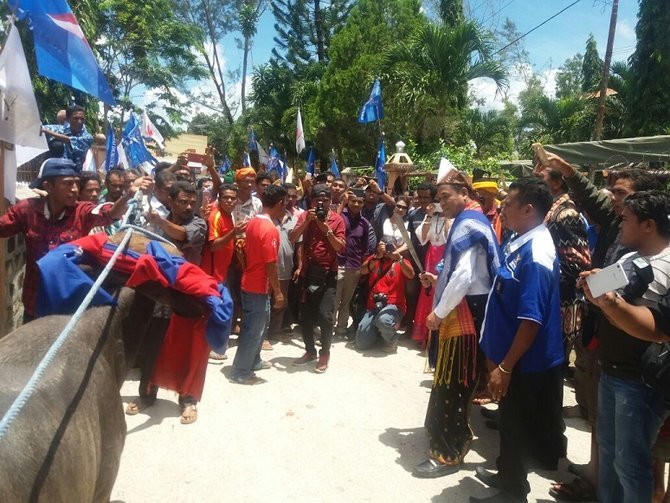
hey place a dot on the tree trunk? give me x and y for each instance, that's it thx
(598, 129)
(214, 65)
(247, 46)
(318, 28)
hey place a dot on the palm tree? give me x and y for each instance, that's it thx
(431, 69)
(250, 11)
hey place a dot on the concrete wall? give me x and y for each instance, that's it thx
(15, 261)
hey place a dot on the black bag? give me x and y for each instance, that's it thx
(359, 302)
(656, 368)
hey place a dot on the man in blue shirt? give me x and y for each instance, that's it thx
(71, 136)
(523, 344)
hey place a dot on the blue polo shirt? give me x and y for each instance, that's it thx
(526, 288)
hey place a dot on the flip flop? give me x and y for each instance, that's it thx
(136, 406)
(577, 490)
(191, 418)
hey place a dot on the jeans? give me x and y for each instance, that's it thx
(318, 308)
(255, 321)
(629, 417)
(376, 324)
(347, 281)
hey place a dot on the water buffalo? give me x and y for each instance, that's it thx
(66, 444)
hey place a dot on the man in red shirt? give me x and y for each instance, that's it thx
(259, 275)
(324, 233)
(386, 301)
(56, 219)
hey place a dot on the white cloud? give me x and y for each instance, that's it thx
(625, 32)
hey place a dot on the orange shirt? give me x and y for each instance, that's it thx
(261, 248)
(216, 263)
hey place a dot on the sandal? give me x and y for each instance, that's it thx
(189, 414)
(577, 490)
(136, 406)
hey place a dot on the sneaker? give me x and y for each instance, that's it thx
(322, 365)
(267, 346)
(304, 360)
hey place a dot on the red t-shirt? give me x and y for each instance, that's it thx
(316, 247)
(261, 248)
(216, 263)
(392, 284)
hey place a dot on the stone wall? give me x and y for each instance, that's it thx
(15, 261)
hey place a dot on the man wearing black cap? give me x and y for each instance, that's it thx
(56, 219)
(323, 233)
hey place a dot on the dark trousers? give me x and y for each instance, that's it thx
(151, 347)
(531, 427)
(317, 309)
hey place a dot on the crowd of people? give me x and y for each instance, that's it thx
(495, 284)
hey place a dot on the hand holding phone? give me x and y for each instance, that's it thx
(541, 154)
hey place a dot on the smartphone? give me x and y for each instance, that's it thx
(541, 154)
(609, 279)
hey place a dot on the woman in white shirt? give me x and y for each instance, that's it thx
(433, 231)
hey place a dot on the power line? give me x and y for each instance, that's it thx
(538, 26)
(492, 16)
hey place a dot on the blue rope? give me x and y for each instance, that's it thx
(28, 390)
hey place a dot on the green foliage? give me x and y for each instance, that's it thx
(569, 78)
(592, 67)
(305, 29)
(650, 65)
(451, 12)
(463, 157)
(139, 47)
(431, 69)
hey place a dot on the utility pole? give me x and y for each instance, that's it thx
(598, 129)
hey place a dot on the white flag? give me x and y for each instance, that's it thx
(263, 157)
(123, 159)
(299, 135)
(19, 117)
(150, 131)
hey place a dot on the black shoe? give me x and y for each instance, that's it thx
(491, 424)
(432, 469)
(492, 414)
(488, 478)
(501, 497)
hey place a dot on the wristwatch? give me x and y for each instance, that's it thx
(329, 233)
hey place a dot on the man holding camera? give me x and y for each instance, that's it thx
(388, 272)
(323, 233)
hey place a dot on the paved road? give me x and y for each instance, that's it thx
(352, 434)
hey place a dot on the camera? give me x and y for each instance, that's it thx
(380, 300)
(639, 280)
(321, 211)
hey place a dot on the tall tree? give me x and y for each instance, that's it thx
(451, 12)
(434, 65)
(569, 77)
(357, 58)
(592, 66)
(139, 48)
(250, 11)
(210, 21)
(305, 27)
(650, 64)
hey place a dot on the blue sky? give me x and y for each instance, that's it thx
(548, 47)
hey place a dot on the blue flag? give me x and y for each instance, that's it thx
(245, 160)
(253, 144)
(223, 169)
(274, 163)
(311, 162)
(136, 150)
(62, 51)
(380, 173)
(112, 155)
(373, 109)
(333, 166)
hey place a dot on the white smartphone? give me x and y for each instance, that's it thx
(609, 279)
